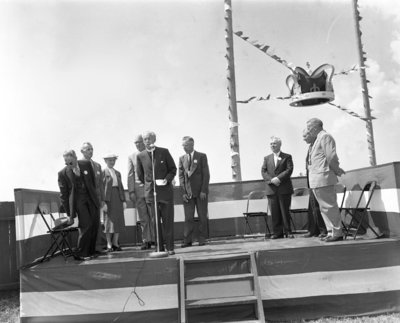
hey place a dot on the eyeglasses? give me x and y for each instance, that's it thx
(69, 164)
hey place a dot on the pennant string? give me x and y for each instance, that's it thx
(352, 113)
(266, 50)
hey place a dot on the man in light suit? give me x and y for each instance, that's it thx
(316, 225)
(194, 177)
(276, 171)
(164, 173)
(136, 194)
(87, 152)
(323, 167)
(79, 198)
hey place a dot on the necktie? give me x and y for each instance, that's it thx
(309, 155)
(190, 161)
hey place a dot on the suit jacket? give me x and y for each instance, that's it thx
(164, 169)
(195, 180)
(283, 171)
(107, 183)
(134, 185)
(324, 163)
(98, 175)
(66, 183)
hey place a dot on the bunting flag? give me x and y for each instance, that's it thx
(353, 69)
(266, 49)
(352, 113)
(263, 98)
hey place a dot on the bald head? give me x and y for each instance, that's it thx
(149, 138)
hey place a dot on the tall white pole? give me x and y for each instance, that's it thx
(364, 85)
(233, 116)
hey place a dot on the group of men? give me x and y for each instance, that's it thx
(151, 173)
(322, 164)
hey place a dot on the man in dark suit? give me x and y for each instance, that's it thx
(79, 198)
(194, 177)
(164, 172)
(316, 226)
(276, 171)
(87, 152)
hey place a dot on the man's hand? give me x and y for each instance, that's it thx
(203, 196)
(340, 172)
(276, 181)
(104, 207)
(70, 220)
(132, 196)
(124, 205)
(185, 198)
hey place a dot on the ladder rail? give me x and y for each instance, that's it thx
(182, 289)
(257, 290)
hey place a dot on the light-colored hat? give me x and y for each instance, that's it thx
(110, 156)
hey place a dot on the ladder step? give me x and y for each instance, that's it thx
(224, 301)
(213, 258)
(224, 278)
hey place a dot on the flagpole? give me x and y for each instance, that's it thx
(364, 85)
(233, 115)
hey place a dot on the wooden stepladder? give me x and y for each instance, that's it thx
(220, 288)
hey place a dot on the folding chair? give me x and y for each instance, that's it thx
(59, 237)
(358, 213)
(341, 189)
(299, 204)
(255, 195)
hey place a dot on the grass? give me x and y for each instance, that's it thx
(9, 313)
(9, 306)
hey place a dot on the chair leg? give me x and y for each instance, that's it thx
(246, 225)
(266, 225)
(368, 225)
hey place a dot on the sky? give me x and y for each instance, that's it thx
(105, 71)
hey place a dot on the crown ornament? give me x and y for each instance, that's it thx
(311, 88)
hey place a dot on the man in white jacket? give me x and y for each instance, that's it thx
(323, 166)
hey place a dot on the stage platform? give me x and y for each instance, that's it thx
(227, 280)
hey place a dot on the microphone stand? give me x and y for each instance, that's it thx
(157, 253)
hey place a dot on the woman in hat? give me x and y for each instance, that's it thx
(115, 199)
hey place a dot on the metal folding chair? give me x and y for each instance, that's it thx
(255, 195)
(359, 213)
(59, 237)
(299, 204)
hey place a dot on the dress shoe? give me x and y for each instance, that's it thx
(117, 248)
(323, 235)
(202, 244)
(308, 235)
(145, 246)
(109, 250)
(288, 234)
(171, 252)
(275, 236)
(184, 245)
(81, 258)
(333, 239)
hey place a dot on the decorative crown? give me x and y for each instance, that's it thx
(307, 90)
